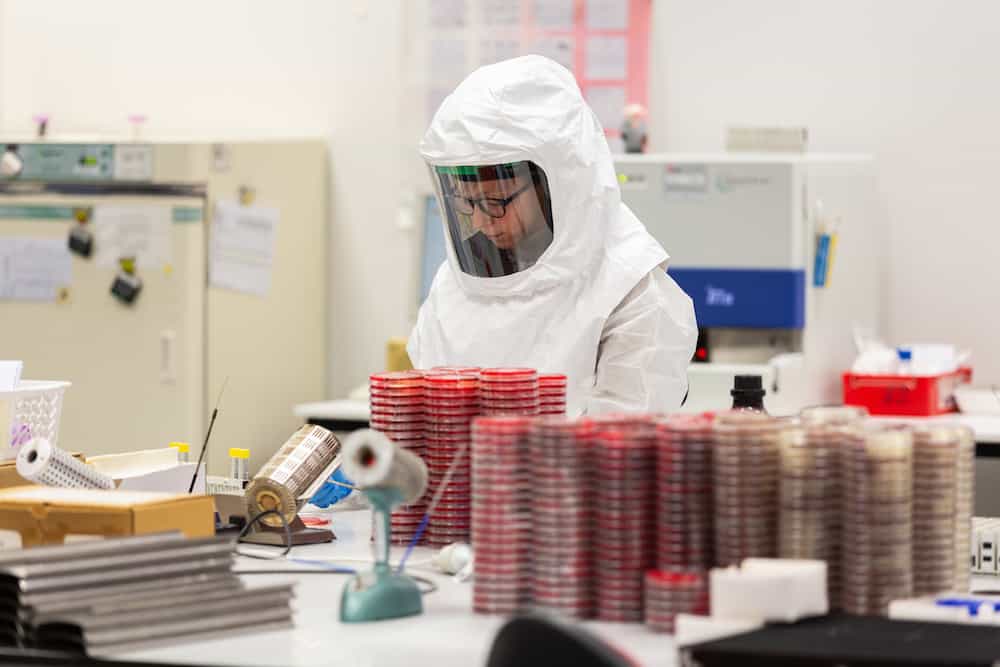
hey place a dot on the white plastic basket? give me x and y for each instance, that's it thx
(33, 410)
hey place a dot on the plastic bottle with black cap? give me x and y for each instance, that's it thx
(748, 393)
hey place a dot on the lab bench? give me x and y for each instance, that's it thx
(446, 633)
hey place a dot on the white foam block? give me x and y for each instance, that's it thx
(769, 589)
(690, 629)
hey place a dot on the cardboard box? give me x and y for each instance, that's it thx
(45, 514)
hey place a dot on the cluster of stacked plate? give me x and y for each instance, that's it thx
(673, 592)
(562, 488)
(552, 394)
(624, 515)
(877, 505)
(684, 514)
(501, 514)
(941, 503)
(509, 391)
(745, 486)
(809, 513)
(396, 401)
(451, 403)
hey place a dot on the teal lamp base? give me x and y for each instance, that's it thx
(379, 595)
(382, 593)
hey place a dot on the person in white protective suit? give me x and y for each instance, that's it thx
(547, 268)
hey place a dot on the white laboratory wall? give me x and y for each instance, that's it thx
(912, 82)
(243, 69)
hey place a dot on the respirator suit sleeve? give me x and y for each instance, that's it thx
(646, 346)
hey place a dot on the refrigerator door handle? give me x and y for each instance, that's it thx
(168, 371)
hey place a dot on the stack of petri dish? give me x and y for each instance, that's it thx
(965, 495)
(624, 516)
(552, 394)
(809, 515)
(508, 391)
(672, 592)
(501, 514)
(452, 370)
(451, 403)
(561, 466)
(397, 409)
(938, 507)
(877, 520)
(745, 486)
(684, 537)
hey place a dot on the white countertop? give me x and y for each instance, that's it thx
(447, 633)
(345, 409)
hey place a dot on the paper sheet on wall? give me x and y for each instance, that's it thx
(241, 254)
(608, 102)
(447, 60)
(494, 50)
(447, 13)
(554, 14)
(607, 14)
(139, 231)
(500, 13)
(559, 49)
(435, 96)
(10, 374)
(34, 269)
(606, 58)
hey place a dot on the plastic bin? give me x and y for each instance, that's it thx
(905, 395)
(31, 410)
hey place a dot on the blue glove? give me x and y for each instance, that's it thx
(329, 494)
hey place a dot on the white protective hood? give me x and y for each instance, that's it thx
(551, 315)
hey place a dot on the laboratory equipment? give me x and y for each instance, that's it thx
(685, 514)
(745, 486)
(389, 475)
(40, 462)
(741, 233)
(238, 465)
(625, 516)
(287, 482)
(668, 593)
(552, 394)
(509, 391)
(397, 409)
(810, 516)
(748, 393)
(501, 515)
(223, 286)
(183, 451)
(105, 596)
(877, 533)
(559, 460)
(433, 252)
(452, 402)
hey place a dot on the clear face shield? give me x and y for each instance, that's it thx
(498, 217)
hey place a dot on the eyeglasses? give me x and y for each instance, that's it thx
(491, 206)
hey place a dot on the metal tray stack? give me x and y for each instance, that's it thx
(108, 596)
